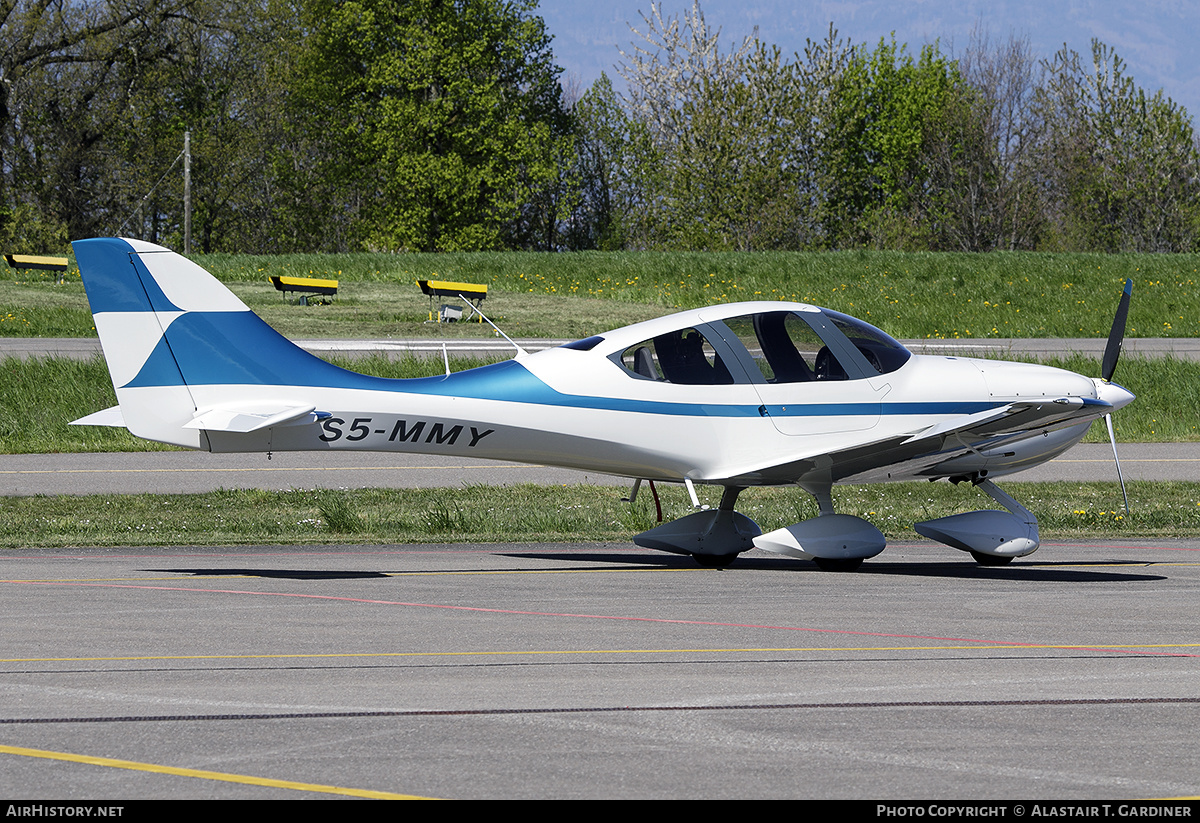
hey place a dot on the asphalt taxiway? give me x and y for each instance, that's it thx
(598, 671)
(586, 671)
(178, 472)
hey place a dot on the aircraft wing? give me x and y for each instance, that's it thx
(918, 454)
(1019, 416)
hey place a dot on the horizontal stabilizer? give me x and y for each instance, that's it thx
(107, 417)
(244, 419)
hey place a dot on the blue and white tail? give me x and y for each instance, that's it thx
(167, 327)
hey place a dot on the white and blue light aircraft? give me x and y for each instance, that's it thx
(736, 395)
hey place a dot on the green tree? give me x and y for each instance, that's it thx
(604, 177)
(445, 113)
(215, 85)
(885, 108)
(982, 157)
(820, 69)
(67, 74)
(1121, 166)
(716, 136)
(732, 183)
(313, 189)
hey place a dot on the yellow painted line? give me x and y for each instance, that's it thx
(204, 775)
(1134, 460)
(1119, 564)
(1136, 564)
(536, 652)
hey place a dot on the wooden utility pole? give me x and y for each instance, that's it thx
(187, 192)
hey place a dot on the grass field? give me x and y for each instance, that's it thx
(908, 295)
(535, 513)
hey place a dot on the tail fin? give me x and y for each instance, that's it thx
(167, 326)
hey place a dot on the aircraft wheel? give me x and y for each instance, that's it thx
(990, 559)
(714, 561)
(829, 564)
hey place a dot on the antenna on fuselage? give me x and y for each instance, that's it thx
(520, 351)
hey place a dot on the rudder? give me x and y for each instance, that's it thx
(166, 324)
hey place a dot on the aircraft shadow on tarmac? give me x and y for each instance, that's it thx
(1064, 572)
(286, 574)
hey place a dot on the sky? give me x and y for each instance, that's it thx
(1159, 40)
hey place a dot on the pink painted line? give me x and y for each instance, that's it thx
(665, 620)
(1115, 547)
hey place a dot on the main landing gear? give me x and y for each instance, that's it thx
(715, 537)
(840, 542)
(835, 542)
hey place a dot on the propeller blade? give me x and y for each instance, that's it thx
(1112, 438)
(1112, 351)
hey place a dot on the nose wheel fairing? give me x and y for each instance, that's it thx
(1012, 533)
